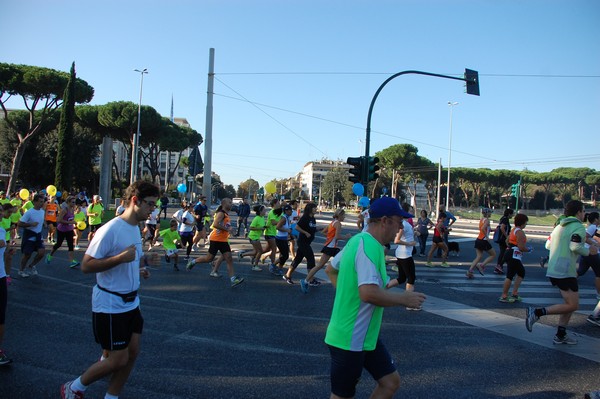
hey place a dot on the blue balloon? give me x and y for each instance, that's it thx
(182, 188)
(364, 202)
(58, 194)
(358, 189)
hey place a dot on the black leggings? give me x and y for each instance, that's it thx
(406, 270)
(503, 246)
(284, 251)
(187, 240)
(304, 251)
(60, 237)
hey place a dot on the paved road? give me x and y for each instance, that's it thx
(265, 339)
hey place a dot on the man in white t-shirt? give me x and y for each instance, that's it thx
(115, 256)
(32, 222)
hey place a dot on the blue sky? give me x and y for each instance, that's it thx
(294, 79)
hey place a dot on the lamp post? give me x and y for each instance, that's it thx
(451, 105)
(136, 138)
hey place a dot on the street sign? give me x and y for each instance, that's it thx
(190, 178)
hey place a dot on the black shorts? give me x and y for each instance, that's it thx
(482, 245)
(50, 223)
(347, 366)
(95, 227)
(216, 246)
(330, 251)
(565, 284)
(514, 267)
(199, 225)
(113, 330)
(151, 230)
(28, 247)
(437, 239)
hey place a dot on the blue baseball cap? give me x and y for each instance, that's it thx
(387, 206)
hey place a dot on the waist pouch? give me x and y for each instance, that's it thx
(128, 297)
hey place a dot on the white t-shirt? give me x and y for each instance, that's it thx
(366, 217)
(405, 251)
(153, 217)
(2, 239)
(110, 240)
(187, 228)
(591, 231)
(34, 215)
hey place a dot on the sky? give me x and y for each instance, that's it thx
(294, 79)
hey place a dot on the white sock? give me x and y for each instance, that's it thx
(109, 396)
(78, 386)
(596, 311)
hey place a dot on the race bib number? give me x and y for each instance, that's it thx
(517, 254)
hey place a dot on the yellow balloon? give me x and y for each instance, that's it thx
(51, 190)
(270, 187)
(81, 225)
(24, 194)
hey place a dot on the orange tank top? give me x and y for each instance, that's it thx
(221, 235)
(512, 237)
(483, 233)
(51, 212)
(330, 240)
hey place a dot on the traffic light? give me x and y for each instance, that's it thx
(514, 190)
(472, 79)
(373, 169)
(356, 172)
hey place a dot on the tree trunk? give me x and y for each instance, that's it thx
(16, 163)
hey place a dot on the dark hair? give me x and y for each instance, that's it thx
(573, 207)
(508, 212)
(592, 216)
(278, 211)
(520, 219)
(309, 207)
(274, 201)
(8, 206)
(142, 189)
(258, 209)
(405, 206)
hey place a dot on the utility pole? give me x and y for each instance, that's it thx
(207, 178)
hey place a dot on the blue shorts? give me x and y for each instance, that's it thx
(28, 247)
(347, 366)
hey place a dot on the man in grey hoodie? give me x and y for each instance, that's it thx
(566, 244)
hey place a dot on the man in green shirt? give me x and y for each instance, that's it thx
(360, 279)
(95, 212)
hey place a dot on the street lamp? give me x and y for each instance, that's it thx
(136, 138)
(451, 105)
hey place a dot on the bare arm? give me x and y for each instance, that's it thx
(90, 264)
(375, 295)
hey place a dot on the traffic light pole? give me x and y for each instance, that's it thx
(471, 77)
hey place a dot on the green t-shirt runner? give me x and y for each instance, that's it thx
(94, 212)
(354, 324)
(169, 238)
(271, 229)
(257, 223)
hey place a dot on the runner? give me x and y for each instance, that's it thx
(360, 296)
(95, 212)
(517, 241)
(80, 216)
(32, 222)
(257, 227)
(284, 230)
(422, 231)
(437, 242)
(4, 360)
(186, 221)
(115, 256)
(171, 238)
(504, 226)
(270, 232)
(329, 250)
(482, 244)
(65, 228)
(50, 219)
(567, 242)
(219, 243)
(592, 241)
(200, 213)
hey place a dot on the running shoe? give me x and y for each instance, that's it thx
(215, 274)
(240, 255)
(256, 268)
(394, 268)
(566, 340)
(314, 283)
(592, 395)
(33, 271)
(167, 258)
(593, 320)
(77, 248)
(304, 286)
(48, 259)
(190, 264)
(480, 268)
(4, 360)
(288, 280)
(506, 299)
(415, 309)
(444, 264)
(23, 274)
(67, 393)
(73, 264)
(530, 318)
(498, 270)
(429, 264)
(273, 269)
(469, 274)
(543, 261)
(516, 298)
(235, 281)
